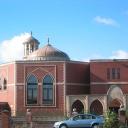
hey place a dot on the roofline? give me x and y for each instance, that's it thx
(41, 61)
(64, 61)
(109, 60)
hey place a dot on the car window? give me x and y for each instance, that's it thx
(89, 117)
(93, 117)
(78, 117)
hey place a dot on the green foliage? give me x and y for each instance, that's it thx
(111, 120)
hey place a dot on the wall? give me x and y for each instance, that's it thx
(98, 75)
(77, 78)
(40, 69)
(7, 71)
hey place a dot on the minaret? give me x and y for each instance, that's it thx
(30, 45)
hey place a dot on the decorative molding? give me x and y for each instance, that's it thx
(40, 84)
(65, 89)
(101, 83)
(15, 89)
(39, 67)
(76, 84)
(102, 100)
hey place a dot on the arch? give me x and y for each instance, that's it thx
(48, 90)
(115, 92)
(114, 105)
(115, 98)
(78, 105)
(32, 89)
(96, 107)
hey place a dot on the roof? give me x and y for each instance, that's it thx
(48, 53)
(31, 39)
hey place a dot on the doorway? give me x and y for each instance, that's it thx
(114, 105)
(79, 106)
(96, 107)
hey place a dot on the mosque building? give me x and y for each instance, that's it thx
(49, 83)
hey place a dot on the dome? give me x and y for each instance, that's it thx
(31, 39)
(48, 53)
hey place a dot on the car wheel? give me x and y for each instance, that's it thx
(95, 126)
(63, 126)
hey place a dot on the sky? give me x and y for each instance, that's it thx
(84, 29)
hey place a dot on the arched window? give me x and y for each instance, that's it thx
(0, 84)
(4, 84)
(47, 90)
(31, 90)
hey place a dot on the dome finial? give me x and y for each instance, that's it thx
(48, 40)
(31, 33)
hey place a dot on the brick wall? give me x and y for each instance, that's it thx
(77, 78)
(5, 119)
(98, 76)
(40, 70)
(7, 71)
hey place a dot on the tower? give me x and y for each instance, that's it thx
(30, 45)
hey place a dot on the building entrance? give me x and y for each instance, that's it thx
(5, 114)
(78, 105)
(114, 105)
(96, 107)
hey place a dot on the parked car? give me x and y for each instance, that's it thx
(81, 121)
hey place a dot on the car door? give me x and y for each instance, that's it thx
(77, 122)
(89, 119)
(80, 121)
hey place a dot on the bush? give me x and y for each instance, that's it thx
(111, 120)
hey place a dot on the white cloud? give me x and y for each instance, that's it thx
(120, 54)
(13, 49)
(106, 21)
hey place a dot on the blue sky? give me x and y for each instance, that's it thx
(84, 29)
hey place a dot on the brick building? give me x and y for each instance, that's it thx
(49, 83)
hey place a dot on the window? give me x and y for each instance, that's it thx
(32, 90)
(47, 90)
(118, 73)
(108, 73)
(0, 84)
(4, 84)
(78, 117)
(113, 73)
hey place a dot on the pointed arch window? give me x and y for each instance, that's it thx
(47, 90)
(4, 84)
(0, 84)
(31, 90)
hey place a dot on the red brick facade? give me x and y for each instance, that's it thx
(77, 78)
(7, 71)
(70, 78)
(40, 70)
(98, 76)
